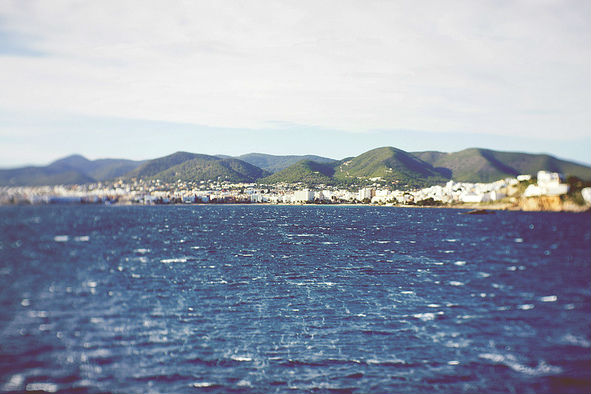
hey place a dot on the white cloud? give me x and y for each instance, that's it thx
(514, 68)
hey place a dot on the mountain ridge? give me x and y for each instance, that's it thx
(392, 165)
(276, 163)
(205, 167)
(486, 165)
(73, 169)
(386, 164)
(304, 171)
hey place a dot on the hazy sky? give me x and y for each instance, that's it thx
(139, 79)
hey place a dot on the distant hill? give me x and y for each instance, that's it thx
(274, 163)
(195, 167)
(73, 169)
(385, 165)
(484, 165)
(107, 169)
(392, 165)
(39, 176)
(155, 166)
(100, 170)
(306, 171)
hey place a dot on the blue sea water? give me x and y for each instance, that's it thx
(321, 299)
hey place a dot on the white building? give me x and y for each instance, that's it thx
(547, 178)
(365, 193)
(320, 196)
(258, 197)
(474, 197)
(497, 195)
(548, 185)
(303, 196)
(382, 196)
(346, 195)
(556, 190)
(327, 194)
(533, 191)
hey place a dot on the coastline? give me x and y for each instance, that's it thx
(502, 206)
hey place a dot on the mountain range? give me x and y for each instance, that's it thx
(385, 165)
(73, 169)
(195, 167)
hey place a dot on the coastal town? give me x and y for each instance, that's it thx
(546, 191)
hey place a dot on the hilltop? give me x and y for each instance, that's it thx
(390, 165)
(485, 165)
(186, 166)
(74, 169)
(305, 171)
(385, 165)
(273, 163)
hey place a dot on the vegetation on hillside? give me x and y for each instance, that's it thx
(484, 165)
(273, 163)
(305, 171)
(153, 167)
(381, 166)
(203, 168)
(391, 165)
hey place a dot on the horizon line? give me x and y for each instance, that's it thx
(96, 158)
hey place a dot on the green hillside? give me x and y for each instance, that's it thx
(204, 167)
(306, 171)
(391, 165)
(484, 165)
(155, 166)
(385, 165)
(274, 163)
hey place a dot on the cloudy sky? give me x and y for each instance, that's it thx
(139, 79)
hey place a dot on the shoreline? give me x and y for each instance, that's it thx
(512, 207)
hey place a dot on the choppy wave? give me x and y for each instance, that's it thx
(255, 299)
(542, 368)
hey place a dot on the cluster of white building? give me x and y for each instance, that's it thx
(548, 184)
(451, 192)
(61, 193)
(301, 196)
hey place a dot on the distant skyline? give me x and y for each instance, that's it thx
(142, 79)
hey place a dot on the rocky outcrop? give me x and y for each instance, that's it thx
(549, 203)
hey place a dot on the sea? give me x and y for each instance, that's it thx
(293, 299)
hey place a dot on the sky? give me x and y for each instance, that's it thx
(141, 79)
